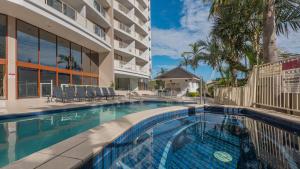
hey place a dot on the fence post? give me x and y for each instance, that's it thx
(255, 86)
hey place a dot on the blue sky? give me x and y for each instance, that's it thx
(177, 23)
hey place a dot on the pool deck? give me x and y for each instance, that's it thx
(22, 106)
(75, 151)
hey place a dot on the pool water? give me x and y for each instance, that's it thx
(210, 141)
(24, 136)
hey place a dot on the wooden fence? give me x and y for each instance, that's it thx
(273, 86)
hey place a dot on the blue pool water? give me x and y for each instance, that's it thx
(23, 136)
(209, 141)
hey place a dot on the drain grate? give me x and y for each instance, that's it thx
(223, 156)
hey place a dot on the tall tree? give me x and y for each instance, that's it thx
(277, 16)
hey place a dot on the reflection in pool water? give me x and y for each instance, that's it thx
(21, 137)
(192, 142)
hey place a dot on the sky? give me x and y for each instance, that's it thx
(178, 23)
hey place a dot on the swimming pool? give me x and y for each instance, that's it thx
(204, 140)
(20, 137)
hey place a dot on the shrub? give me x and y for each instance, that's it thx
(193, 94)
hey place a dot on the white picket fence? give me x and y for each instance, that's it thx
(273, 86)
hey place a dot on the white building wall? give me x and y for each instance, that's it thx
(182, 85)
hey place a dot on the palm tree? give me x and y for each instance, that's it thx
(162, 71)
(193, 56)
(185, 61)
(275, 16)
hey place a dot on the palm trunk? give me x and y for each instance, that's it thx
(269, 33)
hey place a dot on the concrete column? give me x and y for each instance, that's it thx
(11, 50)
(106, 66)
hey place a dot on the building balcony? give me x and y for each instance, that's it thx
(141, 39)
(95, 9)
(124, 47)
(142, 11)
(142, 54)
(141, 25)
(121, 27)
(124, 13)
(130, 69)
(75, 16)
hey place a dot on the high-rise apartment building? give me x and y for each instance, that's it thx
(79, 42)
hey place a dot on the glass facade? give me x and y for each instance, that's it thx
(46, 78)
(27, 36)
(63, 78)
(76, 57)
(63, 53)
(2, 81)
(76, 79)
(3, 33)
(86, 60)
(49, 51)
(95, 62)
(27, 82)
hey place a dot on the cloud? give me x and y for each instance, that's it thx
(194, 26)
(290, 44)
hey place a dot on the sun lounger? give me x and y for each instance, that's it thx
(90, 93)
(69, 93)
(80, 93)
(58, 94)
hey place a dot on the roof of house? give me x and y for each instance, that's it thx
(177, 73)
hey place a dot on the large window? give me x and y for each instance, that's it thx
(27, 42)
(63, 78)
(63, 53)
(27, 82)
(46, 78)
(3, 29)
(47, 49)
(95, 62)
(76, 79)
(94, 81)
(46, 52)
(86, 60)
(86, 80)
(2, 81)
(3, 32)
(76, 57)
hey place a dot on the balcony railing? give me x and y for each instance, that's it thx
(123, 45)
(123, 27)
(122, 8)
(140, 6)
(99, 8)
(129, 66)
(70, 12)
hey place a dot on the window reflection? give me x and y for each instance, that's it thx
(3, 36)
(46, 78)
(27, 38)
(47, 49)
(86, 80)
(27, 82)
(75, 57)
(95, 62)
(94, 81)
(63, 78)
(2, 81)
(86, 60)
(63, 53)
(76, 79)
